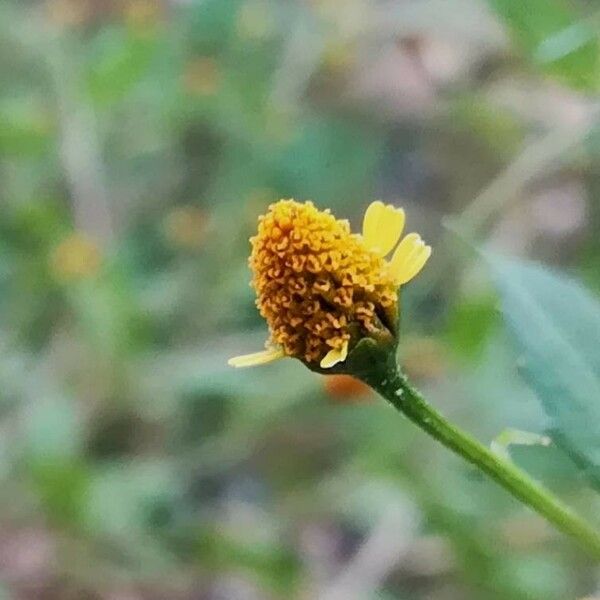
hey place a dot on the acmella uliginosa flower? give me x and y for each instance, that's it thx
(324, 290)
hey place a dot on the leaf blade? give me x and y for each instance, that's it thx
(555, 325)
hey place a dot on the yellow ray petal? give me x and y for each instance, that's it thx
(257, 358)
(414, 267)
(403, 251)
(409, 258)
(382, 226)
(335, 356)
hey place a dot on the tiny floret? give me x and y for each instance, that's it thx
(322, 288)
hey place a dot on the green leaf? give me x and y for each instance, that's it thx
(556, 38)
(555, 324)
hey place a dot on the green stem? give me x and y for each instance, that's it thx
(395, 388)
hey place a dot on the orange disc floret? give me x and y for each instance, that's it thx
(317, 284)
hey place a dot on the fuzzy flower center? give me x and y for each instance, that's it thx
(318, 285)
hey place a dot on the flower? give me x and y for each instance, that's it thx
(322, 288)
(75, 258)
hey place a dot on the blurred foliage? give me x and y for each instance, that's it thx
(557, 35)
(139, 140)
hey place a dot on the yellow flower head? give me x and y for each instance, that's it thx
(322, 288)
(75, 258)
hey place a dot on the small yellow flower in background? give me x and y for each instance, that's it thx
(202, 76)
(321, 287)
(185, 227)
(76, 257)
(339, 56)
(142, 14)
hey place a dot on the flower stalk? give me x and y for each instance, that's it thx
(394, 387)
(331, 299)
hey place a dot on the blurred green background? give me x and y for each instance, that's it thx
(139, 140)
